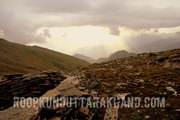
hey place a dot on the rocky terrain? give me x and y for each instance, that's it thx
(145, 75)
(26, 85)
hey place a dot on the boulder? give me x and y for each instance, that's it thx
(19, 113)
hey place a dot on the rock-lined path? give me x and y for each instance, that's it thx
(65, 88)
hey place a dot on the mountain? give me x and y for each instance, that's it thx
(83, 57)
(120, 54)
(100, 60)
(94, 52)
(116, 55)
(18, 58)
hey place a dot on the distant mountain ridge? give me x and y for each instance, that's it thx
(120, 54)
(116, 55)
(86, 58)
(18, 58)
(157, 45)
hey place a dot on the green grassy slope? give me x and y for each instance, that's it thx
(17, 58)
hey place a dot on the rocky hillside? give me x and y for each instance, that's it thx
(144, 75)
(18, 58)
(152, 75)
(83, 57)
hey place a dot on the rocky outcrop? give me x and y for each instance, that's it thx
(173, 62)
(27, 85)
(65, 89)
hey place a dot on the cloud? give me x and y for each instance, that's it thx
(112, 14)
(124, 13)
(46, 33)
(150, 42)
(58, 6)
(16, 25)
(20, 19)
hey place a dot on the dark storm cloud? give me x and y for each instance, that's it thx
(57, 6)
(123, 13)
(15, 24)
(19, 19)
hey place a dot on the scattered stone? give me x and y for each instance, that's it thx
(121, 95)
(167, 64)
(94, 93)
(55, 118)
(172, 90)
(94, 84)
(81, 88)
(161, 59)
(177, 110)
(84, 110)
(176, 63)
(139, 80)
(151, 54)
(147, 117)
(86, 90)
(106, 84)
(121, 84)
(171, 83)
(130, 67)
(107, 91)
(87, 75)
(111, 114)
(137, 74)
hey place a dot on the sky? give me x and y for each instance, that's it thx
(71, 26)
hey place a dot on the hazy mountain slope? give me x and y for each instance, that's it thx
(100, 60)
(17, 58)
(172, 46)
(83, 57)
(116, 55)
(157, 46)
(94, 52)
(120, 54)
